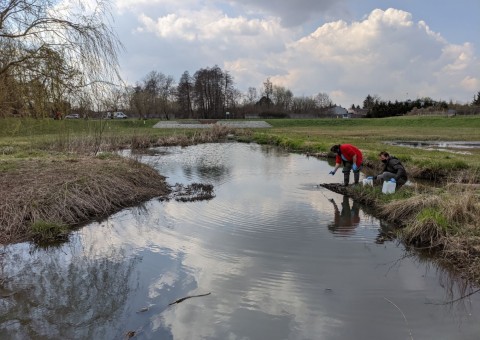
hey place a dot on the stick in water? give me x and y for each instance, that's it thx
(404, 317)
(187, 297)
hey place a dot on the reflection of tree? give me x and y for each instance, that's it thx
(272, 151)
(65, 298)
(216, 173)
(346, 220)
(206, 172)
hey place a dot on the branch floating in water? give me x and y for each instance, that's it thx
(187, 297)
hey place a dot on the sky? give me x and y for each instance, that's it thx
(394, 49)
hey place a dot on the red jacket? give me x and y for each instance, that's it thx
(348, 151)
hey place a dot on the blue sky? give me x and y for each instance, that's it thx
(346, 48)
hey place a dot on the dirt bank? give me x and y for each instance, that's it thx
(43, 199)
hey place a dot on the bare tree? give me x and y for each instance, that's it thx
(252, 95)
(185, 95)
(167, 96)
(116, 98)
(303, 105)
(155, 97)
(268, 89)
(138, 101)
(209, 90)
(282, 97)
(323, 100)
(228, 91)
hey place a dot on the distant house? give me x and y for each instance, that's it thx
(264, 101)
(357, 113)
(339, 112)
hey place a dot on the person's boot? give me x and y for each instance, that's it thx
(346, 178)
(356, 177)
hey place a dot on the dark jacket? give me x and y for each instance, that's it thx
(393, 165)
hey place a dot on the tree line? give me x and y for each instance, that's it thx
(377, 108)
(210, 93)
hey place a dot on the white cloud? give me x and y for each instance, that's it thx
(470, 84)
(291, 13)
(208, 25)
(386, 53)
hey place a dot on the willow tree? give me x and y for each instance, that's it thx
(64, 47)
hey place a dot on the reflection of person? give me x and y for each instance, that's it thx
(347, 219)
(352, 159)
(393, 170)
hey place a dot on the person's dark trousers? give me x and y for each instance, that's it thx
(356, 176)
(386, 176)
(347, 167)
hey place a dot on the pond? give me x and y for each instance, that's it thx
(462, 147)
(274, 255)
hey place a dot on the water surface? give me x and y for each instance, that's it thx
(280, 262)
(462, 147)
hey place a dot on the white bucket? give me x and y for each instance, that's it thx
(388, 187)
(367, 181)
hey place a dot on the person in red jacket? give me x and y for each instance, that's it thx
(352, 159)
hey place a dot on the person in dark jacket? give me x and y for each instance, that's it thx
(352, 159)
(393, 169)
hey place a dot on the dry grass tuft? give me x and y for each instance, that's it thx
(407, 209)
(462, 207)
(427, 230)
(70, 192)
(211, 135)
(93, 144)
